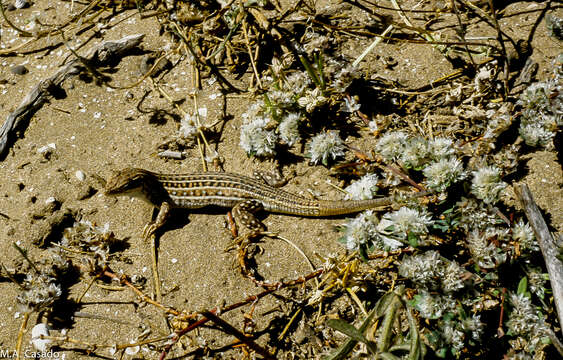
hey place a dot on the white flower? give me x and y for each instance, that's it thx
(523, 319)
(485, 253)
(361, 230)
(441, 174)
(474, 325)
(414, 152)
(432, 307)
(486, 184)
(289, 128)
(392, 145)
(256, 140)
(535, 134)
(297, 82)
(326, 146)
(440, 148)
(452, 278)
(523, 233)
(373, 126)
(407, 220)
(365, 188)
(424, 269)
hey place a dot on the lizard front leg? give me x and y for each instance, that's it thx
(160, 220)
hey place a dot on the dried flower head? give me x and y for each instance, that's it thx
(312, 99)
(483, 251)
(40, 292)
(87, 236)
(188, 127)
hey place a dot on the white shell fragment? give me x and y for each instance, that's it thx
(38, 343)
(80, 175)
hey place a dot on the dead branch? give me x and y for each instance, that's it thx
(547, 245)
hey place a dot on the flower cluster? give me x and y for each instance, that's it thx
(256, 139)
(363, 189)
(361, 231)
(483, 250)
(406, 221)
(41, 286)
(435, 157)
(525, 320)
(524, 235)
(87, 236)
(431, 271)
(326, 147)
(542, 109)
(486, 184)
(295, 98)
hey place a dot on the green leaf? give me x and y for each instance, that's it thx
(364, 254)
(378, 310)
(349, 330)
(523, 286)
(413, 239)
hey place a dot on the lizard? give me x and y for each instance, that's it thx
(243, 194)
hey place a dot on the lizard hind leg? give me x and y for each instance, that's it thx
(274, 179)
(243, 213)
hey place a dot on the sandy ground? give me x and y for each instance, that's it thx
(96, 129)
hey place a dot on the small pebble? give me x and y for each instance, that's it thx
(19, 70)
(132, 350)
(47, 148)
(50, 199)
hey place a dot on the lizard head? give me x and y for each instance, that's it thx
(129, 181)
